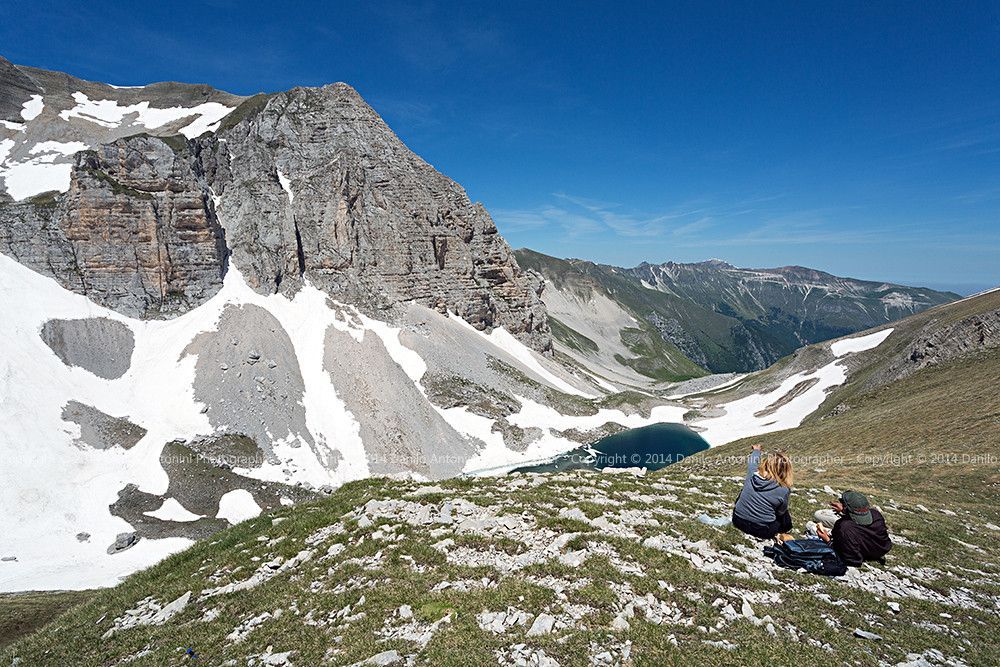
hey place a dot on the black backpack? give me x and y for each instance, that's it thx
(815, 556)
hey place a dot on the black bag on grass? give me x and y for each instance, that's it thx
(815, 556)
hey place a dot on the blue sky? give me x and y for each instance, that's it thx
(859, 138)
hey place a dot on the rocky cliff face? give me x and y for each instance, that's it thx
(315, 186)
(305, 185)
(936, 345)
(135, 232)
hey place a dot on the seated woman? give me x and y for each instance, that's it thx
(762, 507)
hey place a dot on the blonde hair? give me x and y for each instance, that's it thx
(778, 467)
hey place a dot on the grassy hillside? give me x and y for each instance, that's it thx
(933, 434)
(619, 565)
(24, 613)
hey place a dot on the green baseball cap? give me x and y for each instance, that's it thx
(856, 505)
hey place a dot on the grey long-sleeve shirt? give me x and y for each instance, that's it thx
(761, 500)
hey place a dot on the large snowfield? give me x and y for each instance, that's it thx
(53, 488)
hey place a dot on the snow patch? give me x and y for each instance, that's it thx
(171, 510)
(5, 146)
(898, 300)
(859, 343)
(60, 147)
(502, 339)
(32, 108)
(286, 185)
(39, 174)
(110, 114)
(27, 179)
(739, 420)
(238, 505)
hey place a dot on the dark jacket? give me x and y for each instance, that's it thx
(855, 543)
(761, 500)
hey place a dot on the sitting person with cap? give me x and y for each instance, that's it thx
(857, 530)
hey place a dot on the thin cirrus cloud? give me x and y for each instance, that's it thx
(578, 216)
(751, 222)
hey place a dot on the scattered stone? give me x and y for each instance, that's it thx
(148, 612)
(501, 621)
(123, 542)
(575, 513)
(384, 658)
(864, 634)
(724, 644)
(542, 626)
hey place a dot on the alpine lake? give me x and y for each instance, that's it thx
(652, 447)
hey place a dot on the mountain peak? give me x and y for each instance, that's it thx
(308, 184)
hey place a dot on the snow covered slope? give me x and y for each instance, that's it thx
(51, 116)
(92, 402)
(786, 406)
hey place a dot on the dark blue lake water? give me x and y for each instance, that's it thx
(655, 446)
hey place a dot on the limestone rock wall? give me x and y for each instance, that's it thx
(136, 231)
(316, 186)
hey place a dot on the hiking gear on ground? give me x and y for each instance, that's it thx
(855, 543)
(761, 501)
(813, 556)
(856, 505)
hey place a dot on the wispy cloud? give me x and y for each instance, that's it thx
(581, 216)
(767, 221)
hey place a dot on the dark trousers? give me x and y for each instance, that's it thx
(765, 531)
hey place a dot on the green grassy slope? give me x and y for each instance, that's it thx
(24, 613)
(637, 535)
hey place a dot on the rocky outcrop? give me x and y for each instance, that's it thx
(16, 87)
(937, 345)
(249, 380)
(100, 430)
(136, 231)
(315, 185)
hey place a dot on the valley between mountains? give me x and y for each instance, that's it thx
(264, 371)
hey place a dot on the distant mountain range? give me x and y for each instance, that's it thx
(667, 321)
